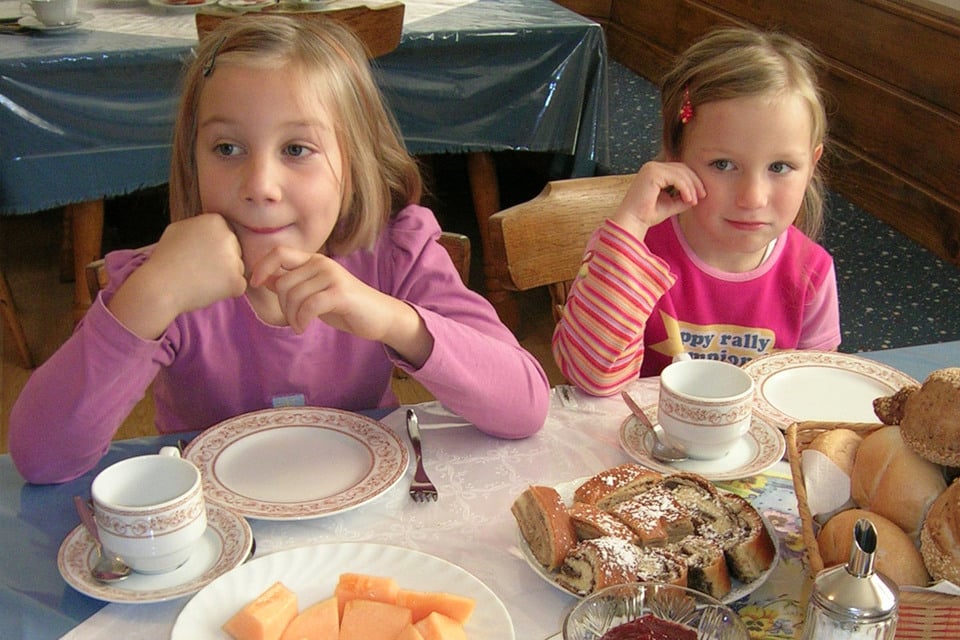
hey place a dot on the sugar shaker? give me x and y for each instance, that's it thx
(853, 601)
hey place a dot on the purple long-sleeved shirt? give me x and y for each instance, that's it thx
(222, 361)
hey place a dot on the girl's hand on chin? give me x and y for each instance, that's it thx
(311, 285)
(201, 258)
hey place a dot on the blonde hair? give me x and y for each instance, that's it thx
(380, 176)
(735, 63)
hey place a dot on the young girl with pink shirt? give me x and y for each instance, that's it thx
(712, 251)
(298, 269)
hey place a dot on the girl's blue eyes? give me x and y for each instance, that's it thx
(292, 150)
(776, 167)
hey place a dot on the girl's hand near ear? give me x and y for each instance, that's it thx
(312, 286)
(659, 190)
(196, 262)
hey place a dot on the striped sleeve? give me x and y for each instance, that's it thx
(598, 343)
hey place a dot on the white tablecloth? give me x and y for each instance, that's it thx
(478, 478)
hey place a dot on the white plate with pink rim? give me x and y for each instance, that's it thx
(296, 463)
(758, 450)
(312, 573)
(793, 386)
(224, 546)
(738, 590)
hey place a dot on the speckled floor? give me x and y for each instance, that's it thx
(893, 292)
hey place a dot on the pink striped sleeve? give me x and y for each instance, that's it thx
(598, 342)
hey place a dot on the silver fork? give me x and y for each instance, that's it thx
(421, 489)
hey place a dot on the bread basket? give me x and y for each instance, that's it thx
(921, 615)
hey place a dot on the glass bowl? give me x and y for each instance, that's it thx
(613, 606)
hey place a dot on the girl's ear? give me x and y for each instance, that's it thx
(817, 152)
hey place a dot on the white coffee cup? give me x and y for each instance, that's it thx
(705, 405)
(150, 510)
(52, 13)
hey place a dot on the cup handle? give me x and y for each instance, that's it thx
(680, 357)
(173, 452)
(27, 9)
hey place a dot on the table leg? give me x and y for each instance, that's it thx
(485, 191)
(87, 232)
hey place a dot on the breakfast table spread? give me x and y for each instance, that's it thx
(467, 539)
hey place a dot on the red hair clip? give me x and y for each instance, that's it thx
(686, 109)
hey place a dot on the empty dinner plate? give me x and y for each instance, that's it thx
(297, 462)
(794, 386)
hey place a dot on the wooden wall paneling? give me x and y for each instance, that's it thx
(892, 73)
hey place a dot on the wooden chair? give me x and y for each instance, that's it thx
(541, 242)
(9, 312)
(378, 27)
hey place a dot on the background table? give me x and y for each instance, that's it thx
(471, 526)
(88, 114)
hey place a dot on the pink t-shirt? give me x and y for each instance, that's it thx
(636, 304)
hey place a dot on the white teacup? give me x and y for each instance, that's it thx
(52, 13)
(705, 405)
(150, 510)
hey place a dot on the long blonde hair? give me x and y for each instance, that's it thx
(380, 176)
(735, 63)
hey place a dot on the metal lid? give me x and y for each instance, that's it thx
(856, 591)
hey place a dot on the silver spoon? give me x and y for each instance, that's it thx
(108, 568)
(663, 449)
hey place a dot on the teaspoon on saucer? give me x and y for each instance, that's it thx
(663, 449)
(109, 568)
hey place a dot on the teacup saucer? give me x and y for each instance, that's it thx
(30, 22)
(757, 451)
(225, 545)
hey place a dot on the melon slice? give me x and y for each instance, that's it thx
(409, 633)
(423, 603)
(437, 626)
(359, 586)
(319, 621)
(265, 617)
(371, 620)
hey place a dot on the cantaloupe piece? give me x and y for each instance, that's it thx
(371, 620)
(359, 586)
(409, 633)
(437, 626)
(422, 603)
(319, 621)
(266, 616)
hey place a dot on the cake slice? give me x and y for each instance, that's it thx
(608, 488)
(753, 551)
(706, 565)
(545, 524)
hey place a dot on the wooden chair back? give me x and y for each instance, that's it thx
(456, 244)
(378, 27)
(540, 242)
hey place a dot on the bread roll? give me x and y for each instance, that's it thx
(545, 524)
(940, 536)
(931, 418)
(890, 479)
(840, 445)
(896, 557)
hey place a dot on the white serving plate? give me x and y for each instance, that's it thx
(738, 589)
(312, 573)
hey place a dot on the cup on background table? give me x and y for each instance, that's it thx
(150, 510)
(706, 405)
(52, 13)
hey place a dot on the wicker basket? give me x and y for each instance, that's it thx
(922, 615)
